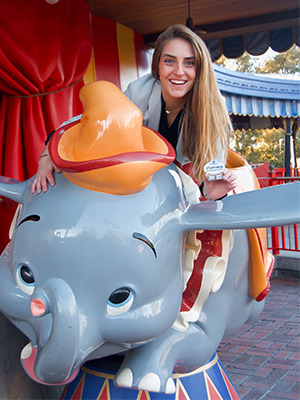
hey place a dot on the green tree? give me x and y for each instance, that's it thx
(283, 63)
(260, 146)
(221, 61)
(246, 63)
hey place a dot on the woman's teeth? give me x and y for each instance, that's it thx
(177, 82)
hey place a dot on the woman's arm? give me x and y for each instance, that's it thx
(44, 173)
(46, 166)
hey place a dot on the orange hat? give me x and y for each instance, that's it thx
(109, 150)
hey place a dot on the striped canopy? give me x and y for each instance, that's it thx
(259, 95)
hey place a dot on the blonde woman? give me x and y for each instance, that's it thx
(180, 100)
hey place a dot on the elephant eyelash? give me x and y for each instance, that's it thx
(144, 239)
(32, 217)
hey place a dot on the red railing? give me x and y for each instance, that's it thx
(276, 177)
(283, 238)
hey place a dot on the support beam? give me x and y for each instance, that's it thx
(287, 150)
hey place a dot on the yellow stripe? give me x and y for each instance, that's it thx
(105, 387)
(140, 395)
(179, 386)
(201, 369)
(97, 373)
(90, 75)
(175, 376)
(127, 58)
(206, 379)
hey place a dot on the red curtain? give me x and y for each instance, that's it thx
(45, 50)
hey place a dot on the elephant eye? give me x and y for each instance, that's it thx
(25, 279)
(119, 301)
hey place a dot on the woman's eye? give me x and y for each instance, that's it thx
(119, 301)
(25, 279)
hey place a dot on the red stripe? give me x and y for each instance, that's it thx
(106, 54)
(264, 293)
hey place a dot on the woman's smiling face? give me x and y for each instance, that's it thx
(177, 69)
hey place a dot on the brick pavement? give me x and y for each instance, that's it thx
(263, 358)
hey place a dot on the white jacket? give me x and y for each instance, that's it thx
(145, 93)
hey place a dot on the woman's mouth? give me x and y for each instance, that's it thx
(177, 82)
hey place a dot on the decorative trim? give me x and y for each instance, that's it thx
(44, 93)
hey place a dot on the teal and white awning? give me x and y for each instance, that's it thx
(260, 107)
(259, 95)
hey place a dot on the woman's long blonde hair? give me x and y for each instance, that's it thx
(206, 125)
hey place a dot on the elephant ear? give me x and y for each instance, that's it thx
(12, 189)
(272, 206)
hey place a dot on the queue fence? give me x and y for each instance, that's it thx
(282, 238)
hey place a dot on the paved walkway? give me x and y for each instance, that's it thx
(263, 358)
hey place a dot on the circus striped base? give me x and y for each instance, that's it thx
(208, 382)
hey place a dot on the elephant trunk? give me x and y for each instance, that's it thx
(54, 363)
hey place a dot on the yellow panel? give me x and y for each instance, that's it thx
(90, 75)
(127, 58)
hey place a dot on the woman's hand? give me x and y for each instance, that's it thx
(216, 189)
(44, 173)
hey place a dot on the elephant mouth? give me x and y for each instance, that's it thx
(28, 358)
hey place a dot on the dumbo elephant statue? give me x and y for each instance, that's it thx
(102, 263)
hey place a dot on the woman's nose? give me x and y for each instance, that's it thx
(179, 70)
